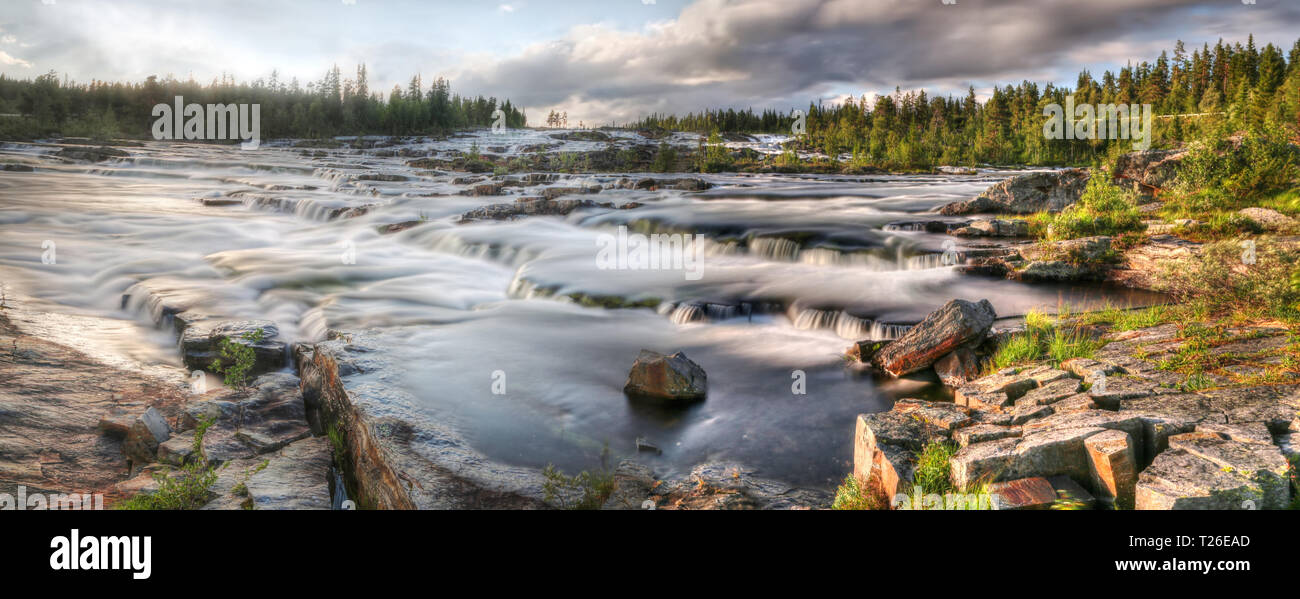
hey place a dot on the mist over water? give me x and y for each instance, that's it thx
(794, 268)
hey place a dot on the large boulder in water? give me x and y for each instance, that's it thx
(1026, 194)
(674, 377)
(957, 324)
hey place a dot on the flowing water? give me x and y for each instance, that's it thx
(794, 267)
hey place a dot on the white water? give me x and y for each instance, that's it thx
(794, 267)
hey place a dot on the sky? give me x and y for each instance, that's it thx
(606, 61)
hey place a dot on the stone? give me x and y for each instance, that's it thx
(982, 462)
(633, 486)
(941, 415)
(1263, 465)
(1075, 403)
(1141, 266)
(1116, 389)
(1049, 394)
(1112, 463)
(984, 432)
(1023, 414)
(888, 428)
(675, 377)
(958, 367)
(1150, 169)
(1086, 368)
(1052, 452)
(176, 450)
(1080, 252)
(116, 424)
(1070, 494)
(296, 477)
(1025, 194)
(201, 346)
(148, 431)
(863, 351)
(956, 324)
(1034, 493)
(897, 466)
(1274, 405)
(1180, 480)
(1270, 220)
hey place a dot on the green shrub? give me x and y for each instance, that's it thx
(237, 359)
(665, 159)
(933, 468)
(1016, 349)
(1103, 209)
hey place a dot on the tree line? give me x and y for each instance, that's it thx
(1225, 87)
(334, 105)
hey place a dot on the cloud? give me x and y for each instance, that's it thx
(782, 53)
(6, 59)
(505, 8)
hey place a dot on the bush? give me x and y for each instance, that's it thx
(854, 496)
(1103, 209)
(237, 358)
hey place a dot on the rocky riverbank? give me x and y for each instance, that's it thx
(74, 425)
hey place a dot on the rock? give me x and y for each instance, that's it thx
(550, 193)
(981, 433)
(958, 367)
(1181, 480)
(1112, 462)
(1152, 169)
(897, 467)
(176, 450)
(995, 227)
(1270, 220)
(981, 462)
(1140, 266)
(116, 424)
(16, 168)
(1076, 403)
(995, 390)
(633, 486)
(1086, 368)
(526, 206)
(1081, 251)
(148, 431)
(944, 416)
(1070, 494)
(1049, 394)
(674, 377)
(87, 154)
(1026, 194)
(956, 324)
(294, 478)
(1033, 493)
(1039, 271)
(200, 345)
(1263, 465)
(1289, 445)
(864, 351)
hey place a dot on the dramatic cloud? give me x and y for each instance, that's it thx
(778, 53)
(603, 61)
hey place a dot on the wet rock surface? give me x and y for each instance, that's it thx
(1026, 194)
(666, 377)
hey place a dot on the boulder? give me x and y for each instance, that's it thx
(1049, 394)
(958, 323)
(1270, 220)
(958, 367)
(1026, 194)
(676, 377)
(1112, 462)
(176, 450)
(148, 431)
(1148, 168)
(1181, 480)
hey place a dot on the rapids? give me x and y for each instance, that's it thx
(794, 268)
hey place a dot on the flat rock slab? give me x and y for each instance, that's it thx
(1180, 480)
(295, 478)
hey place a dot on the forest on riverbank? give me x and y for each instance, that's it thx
(332, 106)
